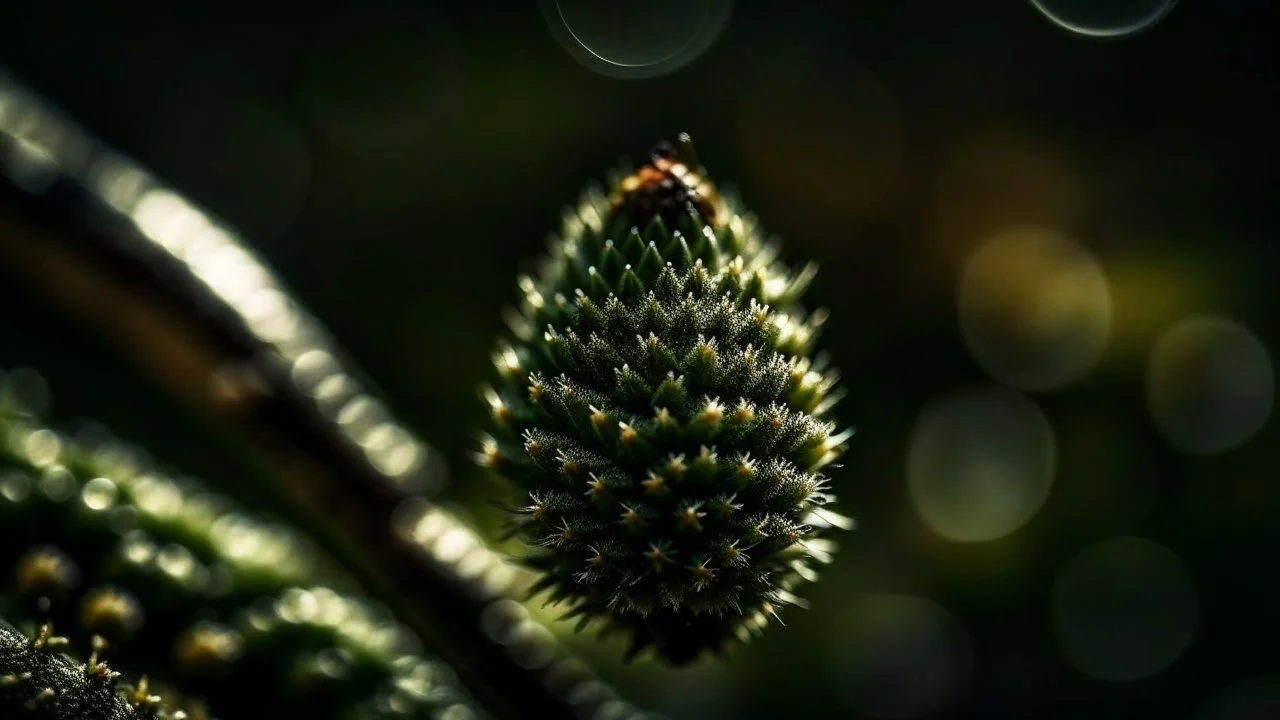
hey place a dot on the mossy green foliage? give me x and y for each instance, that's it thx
(660, 405)
(236, 613)
(39, 680)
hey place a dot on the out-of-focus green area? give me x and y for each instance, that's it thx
(1048, 259)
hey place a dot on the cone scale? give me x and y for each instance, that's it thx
(659, 406)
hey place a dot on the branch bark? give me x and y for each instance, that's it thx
(188, 303)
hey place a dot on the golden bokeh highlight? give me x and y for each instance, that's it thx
(980, 463)
(1149, 294)
(1210, 384)
(1034, 308)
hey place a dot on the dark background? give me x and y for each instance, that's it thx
(398, 162)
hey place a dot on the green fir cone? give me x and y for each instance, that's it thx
(660, 405)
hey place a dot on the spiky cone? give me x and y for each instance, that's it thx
(659, 404)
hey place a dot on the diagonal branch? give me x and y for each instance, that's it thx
(184, 298)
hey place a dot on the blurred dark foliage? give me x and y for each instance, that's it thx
(398, 162)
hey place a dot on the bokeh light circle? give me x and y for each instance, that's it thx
(980, 463)
(900, 657)
(27, 389)
(1254, 698)
(639, 39)
(1210, 384)
(1104, 18)
(1034, 308)
(1124, 609)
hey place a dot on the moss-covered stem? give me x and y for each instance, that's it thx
(86, 250)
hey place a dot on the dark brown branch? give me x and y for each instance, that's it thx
(136, 262)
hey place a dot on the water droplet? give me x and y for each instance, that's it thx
(43, 447)
(138, 549)
(98, 493)
(531, 644)
(311, 368)
(360, 416)
(333, 393)
(457, 712)
(57, 483)
(158, 496)
(1124, 609)
(500, 618)
(298, 606)
(118, 182)
(271, 315)
(1104, 18)
(454, 544)
(1034, 308)
(233, 273)
(14, 486)
(636, 40)
(1210, 384)
(902, 657)
(176, 561)
(980, 463)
